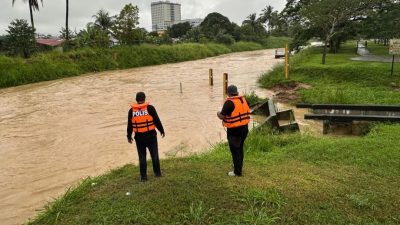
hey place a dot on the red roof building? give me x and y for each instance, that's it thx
(53, 42)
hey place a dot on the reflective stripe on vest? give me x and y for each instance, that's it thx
(240, 115)
(142, 121)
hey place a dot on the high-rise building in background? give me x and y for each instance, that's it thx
(164, 14)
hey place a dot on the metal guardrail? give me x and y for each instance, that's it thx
(348, 113)
(350, 107)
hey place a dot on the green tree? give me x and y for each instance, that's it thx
(383, 21)
(21, 38)
(266, 15)
(104, 20)
(246, 33)
(64, 33)
(179, 30)
(125, 27)
(153, 34)
(256, 27)
(195, 35)
(331, 17)
(224, 39)
(33, 6)
(3, 40)
(93, 36)
(291, 20)
(215, 24)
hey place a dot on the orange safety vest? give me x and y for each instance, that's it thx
(142, 121)
(240, 115)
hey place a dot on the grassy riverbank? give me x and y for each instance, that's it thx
(340, 80)
(55, 65)
(16, 71)
(288, 179)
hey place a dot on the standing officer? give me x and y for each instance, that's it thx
(143, 121)
(235, 115)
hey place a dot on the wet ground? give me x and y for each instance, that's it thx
(366, 56)
(53, 134)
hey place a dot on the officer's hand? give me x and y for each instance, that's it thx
(130, 140)
(162, 135)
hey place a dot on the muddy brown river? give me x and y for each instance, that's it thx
(53, 134)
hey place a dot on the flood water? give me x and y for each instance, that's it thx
(53, 134)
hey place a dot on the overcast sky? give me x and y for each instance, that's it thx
(51, 16)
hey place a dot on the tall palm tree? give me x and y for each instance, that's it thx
(255, 24)
(33, 6)
(66, 20)
(251, 20)
(266, 16)
(103, 20)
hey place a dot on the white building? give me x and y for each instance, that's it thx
(164, 14)
(194, 22)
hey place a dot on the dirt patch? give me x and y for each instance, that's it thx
(287, 92)
(395, 86)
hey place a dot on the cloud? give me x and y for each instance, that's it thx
(51, 17)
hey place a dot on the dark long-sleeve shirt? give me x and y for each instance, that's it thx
(157, 122)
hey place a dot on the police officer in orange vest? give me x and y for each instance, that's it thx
(235, 115)
(143, 121)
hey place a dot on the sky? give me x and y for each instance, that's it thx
(51, 16)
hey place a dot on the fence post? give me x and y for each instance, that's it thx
(225, 83)
(287, 61)
(210, 77)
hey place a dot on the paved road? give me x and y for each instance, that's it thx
(366, 56)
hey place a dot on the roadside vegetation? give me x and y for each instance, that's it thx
(288, 179)
(340, 80)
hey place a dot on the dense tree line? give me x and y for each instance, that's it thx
(123, 29)
(334, 21)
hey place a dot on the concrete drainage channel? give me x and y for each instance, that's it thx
(338, 119)
(281, 120)
(350, 119)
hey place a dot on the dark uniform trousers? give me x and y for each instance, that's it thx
(149, 142)
(236, 143)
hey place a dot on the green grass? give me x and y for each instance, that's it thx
(245, 46)
(288, 179)
(55, 65)
(276, 42)
(340, 80)
(252, 98)
(378, 49)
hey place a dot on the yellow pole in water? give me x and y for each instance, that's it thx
(225, 83)
(210, 77)
(287, 61)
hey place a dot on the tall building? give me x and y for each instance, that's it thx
(164, 14)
